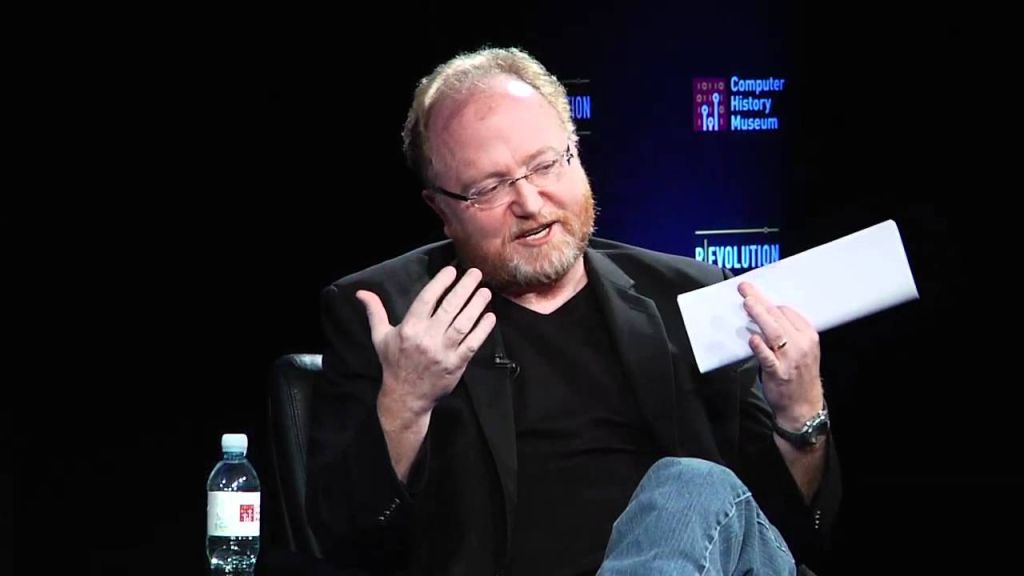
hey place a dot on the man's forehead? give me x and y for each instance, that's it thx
(483, 98)
(518, 88)
(458, 120)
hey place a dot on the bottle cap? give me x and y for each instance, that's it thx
(234, 443)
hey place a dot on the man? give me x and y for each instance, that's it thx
(495, 400)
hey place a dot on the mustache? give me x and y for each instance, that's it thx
(536, 224)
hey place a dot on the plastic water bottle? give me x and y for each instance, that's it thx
(233, 510)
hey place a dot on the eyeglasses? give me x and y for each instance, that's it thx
(490, 195)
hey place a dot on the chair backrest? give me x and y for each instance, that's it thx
(292, 380)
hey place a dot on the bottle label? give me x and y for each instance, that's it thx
(233, 514)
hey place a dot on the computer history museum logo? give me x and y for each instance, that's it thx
(736, 104)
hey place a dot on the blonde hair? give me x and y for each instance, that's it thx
(462, 74)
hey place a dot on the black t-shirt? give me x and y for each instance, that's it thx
(582, 443)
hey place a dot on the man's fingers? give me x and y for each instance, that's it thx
(748, 290)
(455, 300)
(423, 306)
(476, 337)
(768, 324)
(464, 322)
(375, 313)
(796, 319)
(769, 362)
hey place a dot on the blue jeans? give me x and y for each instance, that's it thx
(691, 516)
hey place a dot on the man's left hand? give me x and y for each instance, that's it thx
(790, 357)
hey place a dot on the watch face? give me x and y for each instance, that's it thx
(817, 429)
(810, 434)
(814, 436)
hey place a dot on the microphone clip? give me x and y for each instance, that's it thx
(502, 361)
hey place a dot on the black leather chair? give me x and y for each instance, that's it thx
(292, 379)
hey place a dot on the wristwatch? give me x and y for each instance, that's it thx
(810, 433)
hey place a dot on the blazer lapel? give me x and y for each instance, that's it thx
(489, 385)
(642, 343)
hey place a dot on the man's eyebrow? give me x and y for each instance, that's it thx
(539, 153)
(502, 174)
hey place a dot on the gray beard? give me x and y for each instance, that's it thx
(515, 270)
(519, 273)
(521, 270)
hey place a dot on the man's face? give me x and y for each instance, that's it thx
(539, 230)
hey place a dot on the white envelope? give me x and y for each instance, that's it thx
(832, 284)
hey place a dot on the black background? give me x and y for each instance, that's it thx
(203, 176)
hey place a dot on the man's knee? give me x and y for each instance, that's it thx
(695, 474)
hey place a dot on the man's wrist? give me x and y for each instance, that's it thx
(397, 414)
(808, 433)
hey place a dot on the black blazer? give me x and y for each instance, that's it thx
(455, 514)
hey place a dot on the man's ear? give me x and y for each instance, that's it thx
(433, 200)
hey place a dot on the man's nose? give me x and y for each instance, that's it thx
(527, 198)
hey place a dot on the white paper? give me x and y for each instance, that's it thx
(830, 285)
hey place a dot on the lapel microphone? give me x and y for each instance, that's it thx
(502, 361)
